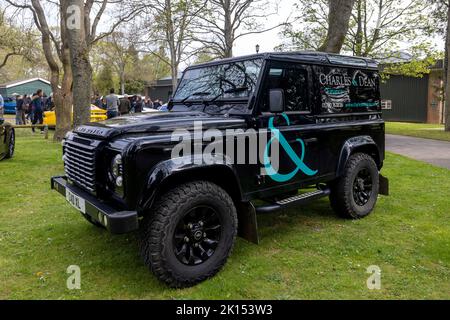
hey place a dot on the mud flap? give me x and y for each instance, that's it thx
(247, 222)
(384, 186)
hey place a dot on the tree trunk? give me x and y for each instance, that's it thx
(171, 42)
(338, 23)
(63, 106)
(174, 71)
(446, 72)
(447, 82)
(62, 94)
(62, 123)
(357, 47)
(228, 30)
(81, 69)
(82, 87)
(122, 81)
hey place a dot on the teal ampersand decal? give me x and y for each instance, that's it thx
(299, 161)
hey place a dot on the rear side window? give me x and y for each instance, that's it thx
(296, 89)
(347, 90)
(293, 79)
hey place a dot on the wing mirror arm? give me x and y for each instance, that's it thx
(170, 104)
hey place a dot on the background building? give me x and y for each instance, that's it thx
(23, 87)
(161, 89)
(412, 99)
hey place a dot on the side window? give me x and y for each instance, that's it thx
(294, 82)
(346, 90)
(295, 87)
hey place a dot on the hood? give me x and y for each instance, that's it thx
(158, 122)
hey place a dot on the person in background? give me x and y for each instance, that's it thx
(27, 107)
(125, 105)
(112, 104)
(97, 101)
(148, 103)
(44, 101)
(49, 105)
(2, 106)
(104, 105)
(157, 104)
(24, 111)
(139, 105)
(132, 103)
(20, 112)
(37, 107)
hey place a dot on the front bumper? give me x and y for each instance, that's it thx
(117, 222)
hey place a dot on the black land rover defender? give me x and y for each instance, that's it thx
(239, 130)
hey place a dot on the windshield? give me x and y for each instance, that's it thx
(235, 80)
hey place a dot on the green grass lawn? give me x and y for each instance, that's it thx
(307, 253)
(420, 130)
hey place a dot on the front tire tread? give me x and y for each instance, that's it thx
(154, 227)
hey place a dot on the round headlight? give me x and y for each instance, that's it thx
(116, 166)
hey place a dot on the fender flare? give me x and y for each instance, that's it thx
(355, 143)
(174, 167)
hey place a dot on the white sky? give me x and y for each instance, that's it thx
(268, 40)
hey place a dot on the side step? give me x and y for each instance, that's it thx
(297, 200)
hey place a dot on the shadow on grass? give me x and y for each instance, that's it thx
(112, 262)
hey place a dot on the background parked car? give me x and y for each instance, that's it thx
(164, 108)
(10, 105)
(7, 140)
(149, 110)
(97, 115)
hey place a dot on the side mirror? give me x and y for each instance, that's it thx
(276, 100)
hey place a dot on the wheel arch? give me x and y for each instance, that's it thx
(170, 173)
(363, 144)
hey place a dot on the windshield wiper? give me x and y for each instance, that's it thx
(234, 90)
(195, 94)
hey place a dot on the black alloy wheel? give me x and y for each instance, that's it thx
(362, 187)
(197, 235)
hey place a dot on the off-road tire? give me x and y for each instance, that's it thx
(158, 227)
(11, 145)
(342, 196)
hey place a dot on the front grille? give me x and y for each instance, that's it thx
(79, 164)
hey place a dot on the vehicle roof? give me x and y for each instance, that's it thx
(311, 57)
